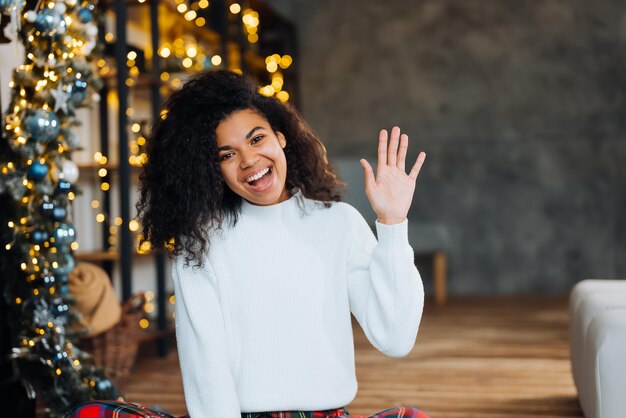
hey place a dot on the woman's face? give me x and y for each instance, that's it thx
(252, 159)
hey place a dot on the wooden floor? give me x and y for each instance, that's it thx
(487, 357)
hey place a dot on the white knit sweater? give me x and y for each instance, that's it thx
(265, 324)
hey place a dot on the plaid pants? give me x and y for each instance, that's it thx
(115, 409)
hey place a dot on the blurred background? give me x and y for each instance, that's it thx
(519, 106)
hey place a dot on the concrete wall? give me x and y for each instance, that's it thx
(520, 107)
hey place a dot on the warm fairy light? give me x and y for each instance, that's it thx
(132, 55)
(192, 52)
(267, 91)
(8, 247)
(95, 204)
(129, 111)
(283, 96)
(133, 225)
(133, 71)
(103, 160)
(144, 248)
(182, 8)
(118, 221)
(130, 82)
(141, 141)
(148, 308)
(163, 114)
(271, 66)
(172, 299)
(200, 21)
(135, 127)
(18, 301)
(108, 37)
(11, 224)
(165, 76)
(71, 196)
(144, 323)
(97, 156)
(100, 218)
(76, 361)
(235, 8)
(165, 52)
(187, 62)
(216, 60)
(102, 172)
(23, 266)
(203, 4)
(74, 246)
(253, 38)
(105, 186)
(176, 83)
(58, 371)
(190, 15)
(285, 61)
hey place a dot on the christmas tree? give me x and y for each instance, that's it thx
(37, 187)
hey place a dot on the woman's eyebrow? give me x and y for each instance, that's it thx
(256, 128)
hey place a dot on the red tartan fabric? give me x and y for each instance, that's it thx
(115, 409)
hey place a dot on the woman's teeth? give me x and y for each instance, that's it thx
(258, 175)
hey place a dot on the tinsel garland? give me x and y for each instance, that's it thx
(38, 176)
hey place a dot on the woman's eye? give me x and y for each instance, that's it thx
(256, 139)
(226, 156)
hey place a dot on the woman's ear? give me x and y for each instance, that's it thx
(281, 139)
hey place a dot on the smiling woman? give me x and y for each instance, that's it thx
(232, 173)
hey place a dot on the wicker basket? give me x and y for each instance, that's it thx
(115, 350)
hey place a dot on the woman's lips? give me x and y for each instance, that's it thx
(263, 183)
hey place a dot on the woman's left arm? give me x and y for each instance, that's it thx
(385, 289)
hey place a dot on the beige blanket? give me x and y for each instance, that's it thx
(95, 298)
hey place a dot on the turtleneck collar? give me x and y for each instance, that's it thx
(277, 209)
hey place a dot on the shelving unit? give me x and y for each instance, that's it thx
(152, 24)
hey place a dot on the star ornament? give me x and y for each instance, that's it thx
(60, 98)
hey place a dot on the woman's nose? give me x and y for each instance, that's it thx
(248, 159)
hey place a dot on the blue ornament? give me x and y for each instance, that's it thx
(85, 15)
(64, 235)
(78, 91)
(43, 126)
(104, 384)
(64, 289)
(48, 21)
(37, 171)
(38, 236)
(58, 213)
(65, 263)
(46, 208)
(64, 187)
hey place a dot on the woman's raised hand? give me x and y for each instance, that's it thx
(390, 193)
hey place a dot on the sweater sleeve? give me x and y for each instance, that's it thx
(202, 345)
(384, 287)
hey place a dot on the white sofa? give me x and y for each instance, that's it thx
(598, 346)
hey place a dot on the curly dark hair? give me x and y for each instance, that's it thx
(182, 190)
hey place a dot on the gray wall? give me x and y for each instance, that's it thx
(520, 107)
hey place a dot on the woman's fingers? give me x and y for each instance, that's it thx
(392, 155)
(417, 166)
(369, 173)
(404, 145)
(382, 151)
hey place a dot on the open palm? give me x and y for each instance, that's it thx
(390, 192)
